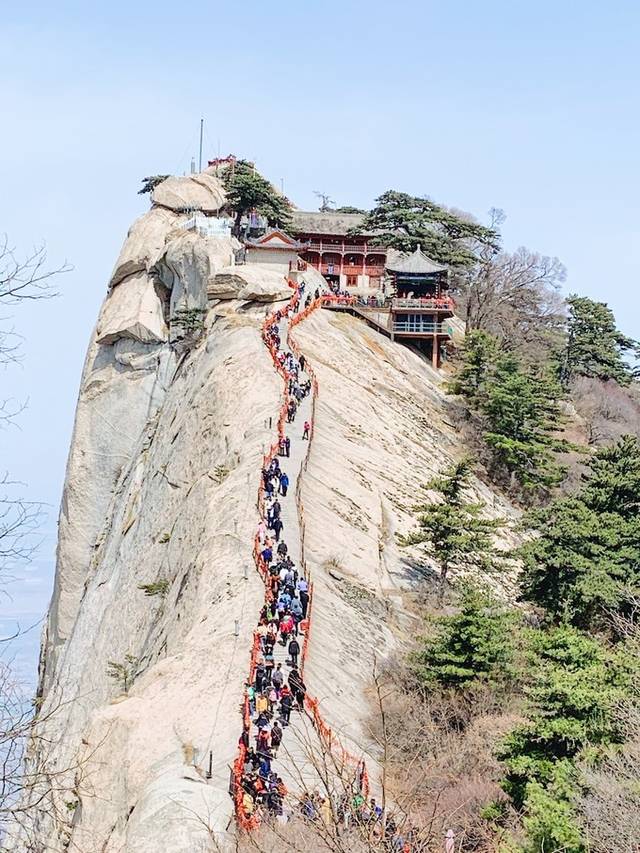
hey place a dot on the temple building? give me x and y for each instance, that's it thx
(417, 308)
(335, 244)
(421, 303)
(273, 247)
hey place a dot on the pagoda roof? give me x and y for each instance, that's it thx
(275, 239)
(416, 263)
(331, 222)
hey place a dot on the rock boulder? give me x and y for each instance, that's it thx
(144, 244)
(191, 192)
(254, 283)
(132, 310)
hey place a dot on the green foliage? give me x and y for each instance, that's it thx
(522, 412)
(585, 559)
(248, 190)
(123, 672)
(595, 347)
(474, 646)
(149, 184)
(478, 356)
(191, 320)
(519, 409)
(573, 685)
(159, 587)
(550, 820)
(406, 221)
(453, 529)
(349, 209)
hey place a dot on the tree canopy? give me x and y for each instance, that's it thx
(573, 685)
(151, 182)
(453, 528)
(595, 347)
(248, 190)
(404, 222)
(471, 647)
(515, 296)
(585, 558)
(518, 410)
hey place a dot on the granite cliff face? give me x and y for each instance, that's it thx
(160, 493)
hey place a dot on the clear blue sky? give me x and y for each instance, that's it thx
(531, 107)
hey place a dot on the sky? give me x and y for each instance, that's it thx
(528, 107)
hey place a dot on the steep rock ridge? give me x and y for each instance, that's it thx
(192, 192)
(182, 512)
(126, 372)
(161, 488)
(380, 433)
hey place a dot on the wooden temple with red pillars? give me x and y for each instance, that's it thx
(336, 244)
(421, 304)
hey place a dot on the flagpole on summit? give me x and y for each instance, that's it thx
(200, 157)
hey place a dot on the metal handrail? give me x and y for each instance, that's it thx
(435, 303)
(427, 328)
(344, 248)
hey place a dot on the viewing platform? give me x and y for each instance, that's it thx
(403, 327)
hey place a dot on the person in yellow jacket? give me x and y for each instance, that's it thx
(262, 703)
(247, 804)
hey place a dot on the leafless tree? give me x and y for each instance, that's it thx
(25, 786)
(514, 296)
(608, 410)
(22, 279)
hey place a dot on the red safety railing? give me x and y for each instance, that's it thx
(251, 820)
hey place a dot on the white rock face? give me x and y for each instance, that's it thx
(381, 433)
(195, 192)
(145, 243)
(187, 266)
(133, 310)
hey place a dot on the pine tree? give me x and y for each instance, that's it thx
(472, 647)
(248, 190)
(595, 347)
(573, 685)
(478, 357)
(453, 529)
(522, 414)
(405, 222)
(585, 558)
(150, 183)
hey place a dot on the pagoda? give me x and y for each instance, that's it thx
(421, 303)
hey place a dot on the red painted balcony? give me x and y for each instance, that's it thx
(345, 248)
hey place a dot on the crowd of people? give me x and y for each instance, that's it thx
(276, 688)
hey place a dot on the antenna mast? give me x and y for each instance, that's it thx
(200, 157)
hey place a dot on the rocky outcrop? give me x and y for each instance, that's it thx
(145, 243)
(192, 192)
(186, 267)
(251, 283)
(133, 310)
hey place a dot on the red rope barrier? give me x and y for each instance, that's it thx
(245, 818)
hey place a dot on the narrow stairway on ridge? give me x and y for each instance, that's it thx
(260, 775)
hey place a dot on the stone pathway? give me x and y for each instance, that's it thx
(299, 752)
